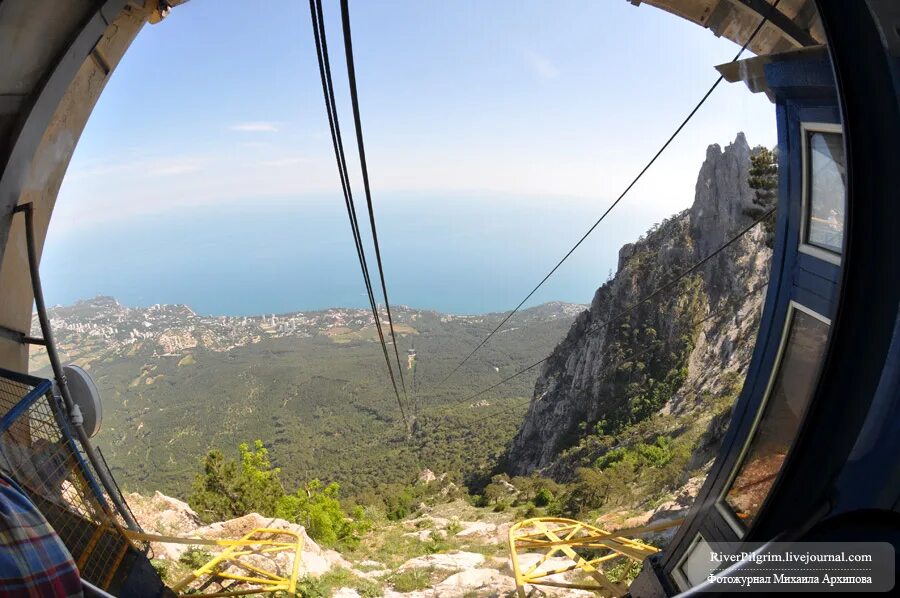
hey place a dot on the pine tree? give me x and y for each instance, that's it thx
(763, 178)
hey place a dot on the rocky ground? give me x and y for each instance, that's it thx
(449, 549)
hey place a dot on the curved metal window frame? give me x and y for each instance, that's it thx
(723, 508)
(681, 580)
(806, 188)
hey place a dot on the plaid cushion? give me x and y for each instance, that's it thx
(33, 560)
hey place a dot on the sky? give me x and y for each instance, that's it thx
(539, 107)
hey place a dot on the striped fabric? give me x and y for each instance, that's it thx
(33, 560)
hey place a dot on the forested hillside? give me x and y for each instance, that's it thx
(313, 386)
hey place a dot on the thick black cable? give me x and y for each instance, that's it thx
(354, 99)
(318, 24)
(656, 292)
(616, 202)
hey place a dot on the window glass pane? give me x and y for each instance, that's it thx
(827, 191)
(698, 563)
(783, 412)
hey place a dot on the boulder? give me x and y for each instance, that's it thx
(483, 582)
(164, 515)
(528, 560)
(426, 521)
(315, 559)
(161, 514)
(449, 561)
(427, 534)
(426, 476)
(476, 529)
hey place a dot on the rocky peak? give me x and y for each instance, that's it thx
(722, 194)
(665, 353)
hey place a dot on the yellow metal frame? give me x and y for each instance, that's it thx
(264, 581)
(555, 535)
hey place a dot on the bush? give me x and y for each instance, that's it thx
(543, 497)
(227, 489)
(318, 509)
(313, 587)
(195, 557)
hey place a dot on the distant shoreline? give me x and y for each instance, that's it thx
(98, 300)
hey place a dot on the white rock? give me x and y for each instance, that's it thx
(529, 559)
(449, 561)
(315, 560)
(486, 582)
(426, 476)
(426, 521)
(508, 487)
(421, 536)
(476, 529)
(502, 533)
(345, 593)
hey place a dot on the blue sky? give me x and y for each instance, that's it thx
(220, 105)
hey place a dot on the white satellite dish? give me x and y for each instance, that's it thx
(85, 394)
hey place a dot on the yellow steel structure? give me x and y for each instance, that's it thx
(260, 541)
(599, 549)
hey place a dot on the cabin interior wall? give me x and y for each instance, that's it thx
(42, 176)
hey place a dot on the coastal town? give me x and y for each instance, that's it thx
(104, 325)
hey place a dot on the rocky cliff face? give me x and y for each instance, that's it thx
(679, 353)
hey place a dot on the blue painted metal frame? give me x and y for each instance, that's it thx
(42, 387)
(805, 91)
(82, 462)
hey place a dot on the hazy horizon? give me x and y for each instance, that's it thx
(488, 159)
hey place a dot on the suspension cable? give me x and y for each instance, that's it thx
(618, 199)
(633, 356)
(351, 75)
(660, 289)
(318, 24)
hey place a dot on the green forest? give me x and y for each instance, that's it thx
(323, 406)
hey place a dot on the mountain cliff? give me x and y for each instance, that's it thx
(630, 371)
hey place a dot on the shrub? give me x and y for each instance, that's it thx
(195, 557)
(411, 580)
(319, 510)
(162, 568)
(543, 497)
(227, 489)
(313, 587)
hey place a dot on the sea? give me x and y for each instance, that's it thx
(461, 255)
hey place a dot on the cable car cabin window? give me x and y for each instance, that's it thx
(824, 191)
(696, 564)
(788, 395)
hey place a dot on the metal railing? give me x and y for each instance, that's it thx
(236, 571)
(584, 548)
(39, 451)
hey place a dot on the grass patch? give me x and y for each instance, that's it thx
(412, 580)
(325, 585)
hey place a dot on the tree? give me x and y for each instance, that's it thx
(227, 489)
(319, 510)
(763, 176)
